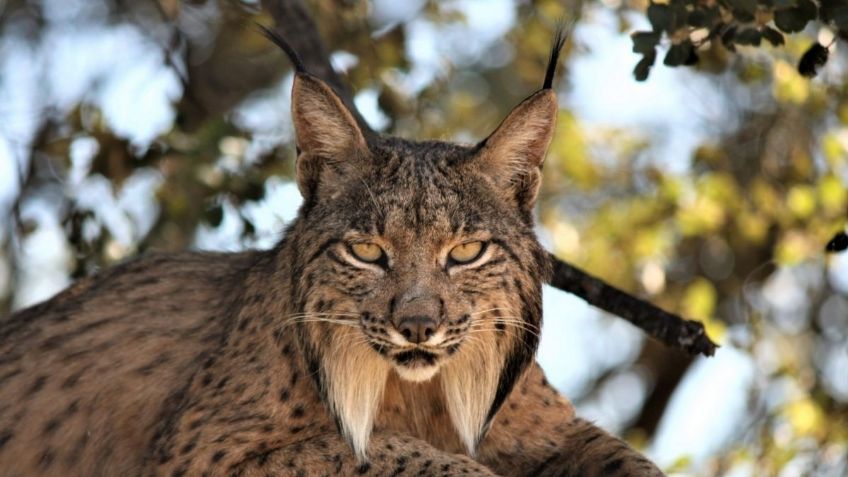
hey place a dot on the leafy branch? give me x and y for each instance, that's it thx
(689, 24)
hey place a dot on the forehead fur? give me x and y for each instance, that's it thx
(429, 184)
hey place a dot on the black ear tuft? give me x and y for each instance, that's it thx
(560, 38)
(284, 45)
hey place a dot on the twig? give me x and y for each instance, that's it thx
(671, 329)
(294, 23)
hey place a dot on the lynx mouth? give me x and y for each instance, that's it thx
(417, 363)
(415, 358)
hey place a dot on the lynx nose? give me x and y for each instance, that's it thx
(417, 329)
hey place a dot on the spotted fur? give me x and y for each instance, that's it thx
(291, 361)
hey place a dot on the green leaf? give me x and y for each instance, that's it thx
(773, 36)
(703, 17)
(780, 4)
(249, 228)
(644, 41)
(839, 243)
(813, 59)
(729, 37)
(660, 17)
(679, 54)
(697, 19)
(793, 20)
(254, 191)
(749, 36)
(692, 59)
(835, 11)
(214, 215)
(643, 67)
(743, 10)
(679, 16)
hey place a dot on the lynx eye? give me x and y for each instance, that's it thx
(367, 252)
(466, 253)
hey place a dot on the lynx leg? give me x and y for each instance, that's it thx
(389, 454)
(537, 433)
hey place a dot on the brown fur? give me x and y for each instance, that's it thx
(289, 362)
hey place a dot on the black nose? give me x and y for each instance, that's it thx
(416, 329)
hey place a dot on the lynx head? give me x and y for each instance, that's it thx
(416, 258)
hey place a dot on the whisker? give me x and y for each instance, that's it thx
(319, 313)
(487, 311)
(350, 323)
(508, 320)
(329, 317)
(361, 341)
(529, 330)
(522, 326)
(380, 341)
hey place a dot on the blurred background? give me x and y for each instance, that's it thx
(128, 126)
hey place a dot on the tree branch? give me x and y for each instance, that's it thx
(294, 23)
(669, 328)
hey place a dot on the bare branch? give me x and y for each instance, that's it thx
(671, 329)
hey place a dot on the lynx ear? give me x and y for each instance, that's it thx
(323, 125)
(512, 156)
(327, 134)
(329, 140)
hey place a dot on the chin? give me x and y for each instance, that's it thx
(416, 365)
(417, 374)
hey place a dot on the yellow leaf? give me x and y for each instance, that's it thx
(715, 329)
(752, 226)
(651, 242)
(832, 194)
(699, 300)
(832, 149)
(789, 86)
(552, 9)
(801, 200)
(764, 196)
(805, 416)
(682, 464)
(569, 152)
(793, 248)
(704, 215)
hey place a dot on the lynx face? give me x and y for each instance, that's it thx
(424, 259)
(416, 258)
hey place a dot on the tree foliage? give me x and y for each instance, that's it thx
(690, 25)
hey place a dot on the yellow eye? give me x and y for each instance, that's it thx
(466, 252)
(367, 252)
